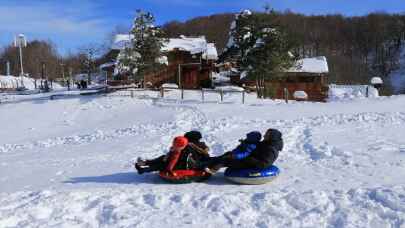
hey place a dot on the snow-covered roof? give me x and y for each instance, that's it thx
(194, 45)
(121, 41)
(311, 65)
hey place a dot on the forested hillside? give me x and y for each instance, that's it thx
(356, 47)
(215, 28)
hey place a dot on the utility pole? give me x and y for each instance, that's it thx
(42, 70)
(70, 80)
(8, 68)
(21, 42)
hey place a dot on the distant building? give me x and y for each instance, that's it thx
(190, 62)
(308, 75)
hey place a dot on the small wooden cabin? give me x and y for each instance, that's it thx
(309, 75)
(314, 85)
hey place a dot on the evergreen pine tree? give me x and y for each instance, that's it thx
(262, 48)
(240, 39)
(143, 53)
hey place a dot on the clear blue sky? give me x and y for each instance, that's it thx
(73, 23)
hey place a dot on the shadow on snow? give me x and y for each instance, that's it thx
(133, 178)
(117, 178)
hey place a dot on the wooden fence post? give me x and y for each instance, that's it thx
(202, 94)
(243, 97)
(367, 92)
(286, 95)
(221, 93)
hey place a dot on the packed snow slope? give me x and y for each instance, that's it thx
(67, 162)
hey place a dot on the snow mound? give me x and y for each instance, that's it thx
(341, 92)
(300, 95)
(376, 81)
(229, 88)
(170, 85)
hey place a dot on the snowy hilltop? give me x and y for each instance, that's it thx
(68, 162)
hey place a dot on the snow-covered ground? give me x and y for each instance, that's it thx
(67, 162)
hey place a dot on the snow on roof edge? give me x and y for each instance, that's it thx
(311, 65)
(192, 44)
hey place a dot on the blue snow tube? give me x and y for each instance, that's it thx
(252, 176)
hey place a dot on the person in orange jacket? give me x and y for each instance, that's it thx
(168, 162)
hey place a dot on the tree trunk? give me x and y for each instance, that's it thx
(258, 87)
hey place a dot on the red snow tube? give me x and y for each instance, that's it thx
(184, 176)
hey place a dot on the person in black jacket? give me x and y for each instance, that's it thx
(194, 152)
(262, 157)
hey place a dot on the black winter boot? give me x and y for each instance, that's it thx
(139, 169)
(146, 169)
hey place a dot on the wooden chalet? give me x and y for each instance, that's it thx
(309, 75)
(189, 63)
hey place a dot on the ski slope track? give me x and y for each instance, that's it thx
(68, 163)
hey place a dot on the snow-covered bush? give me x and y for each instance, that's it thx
(300, 95)
(376, 81)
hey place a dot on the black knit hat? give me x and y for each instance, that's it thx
(193, 136)
(253, 137)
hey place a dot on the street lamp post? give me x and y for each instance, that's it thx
(21, 42)
(8, 68)
(70, 77)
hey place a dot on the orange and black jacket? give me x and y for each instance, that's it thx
(179, 159)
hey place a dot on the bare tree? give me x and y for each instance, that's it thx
(87, 57)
